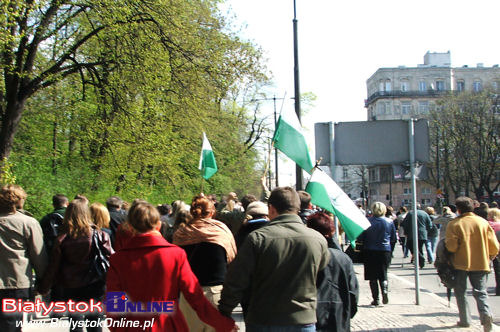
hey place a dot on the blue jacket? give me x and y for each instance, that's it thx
(379, 235)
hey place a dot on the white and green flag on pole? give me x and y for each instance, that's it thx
(327, 194)
(288, 138)
(208, 166)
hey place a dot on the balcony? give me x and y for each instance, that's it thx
(405, 94)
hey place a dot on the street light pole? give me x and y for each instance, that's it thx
(298, 170)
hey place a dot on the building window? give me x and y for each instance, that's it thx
(426, 201)
(406, 191)
(381, 86)
(345, 172)
(440, 85)
(405, 107)
(405, 86)
(373, 192)
(423, 107)
(422, 86)
(388, 85)
(373, 175)
(426, 191)
(477, 86)
(406, 202)
(460, 86)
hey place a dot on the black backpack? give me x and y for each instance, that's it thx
(51, 227)
(445, 270)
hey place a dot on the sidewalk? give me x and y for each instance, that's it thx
(402, 314)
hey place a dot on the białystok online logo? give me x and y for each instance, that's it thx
(116, 302)
(119, 302)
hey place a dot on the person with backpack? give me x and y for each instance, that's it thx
(73, 262)
(51, 222)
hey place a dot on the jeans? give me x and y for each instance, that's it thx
(93, 291)
(478, 281)
(8, 320)
(430, 246)
(280, 328)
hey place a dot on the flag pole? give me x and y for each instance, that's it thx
(268, 159)
(202, 182)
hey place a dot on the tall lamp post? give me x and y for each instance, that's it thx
(298, 170)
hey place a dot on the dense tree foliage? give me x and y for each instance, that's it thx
(105, 97)
(465, 133)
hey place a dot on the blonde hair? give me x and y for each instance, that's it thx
(10, 196)
(378, 209)
(494, 214)
(100, 215)
(77, 220)
(429, 210)
(446, 210)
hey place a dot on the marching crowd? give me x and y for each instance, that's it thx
(279, 258)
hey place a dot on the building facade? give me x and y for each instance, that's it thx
(411, 92)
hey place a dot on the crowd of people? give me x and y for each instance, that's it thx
(280, 258)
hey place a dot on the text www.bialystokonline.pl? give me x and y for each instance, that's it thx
(101, 322)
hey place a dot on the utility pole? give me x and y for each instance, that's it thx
(275, 125)
(298, 171)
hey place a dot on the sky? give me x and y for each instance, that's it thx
(342, 43)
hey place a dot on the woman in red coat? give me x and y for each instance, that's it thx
(147, 269)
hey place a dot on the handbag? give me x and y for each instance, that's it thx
(356, 254)
(99, 262)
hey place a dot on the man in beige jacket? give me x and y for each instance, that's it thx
(473, 244)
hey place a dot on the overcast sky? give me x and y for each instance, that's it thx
(342, 43)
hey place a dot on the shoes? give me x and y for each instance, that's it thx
(385, 298)
(460, 324)
(374, 302)
(488, 324)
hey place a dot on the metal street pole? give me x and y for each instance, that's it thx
(298, 170)
(411, 135)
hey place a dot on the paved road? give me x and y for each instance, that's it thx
(428, 279)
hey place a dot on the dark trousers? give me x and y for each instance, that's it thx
(93, 291)
(496, 268)
(8, 321)
(421, 245)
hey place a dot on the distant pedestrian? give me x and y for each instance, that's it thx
(432, 235)
(100, 217)
(443, 221)
(277, 266)
(257, 217)
(424, 224)
(401, 231)
(473, 243)
(494, 220)
(378, 241)
(116, 213)
(338, 288)
(51, 223)
(22, 251)
(306, 208)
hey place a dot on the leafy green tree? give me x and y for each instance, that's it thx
(464, 129)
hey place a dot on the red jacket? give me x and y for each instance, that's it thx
(148, 268)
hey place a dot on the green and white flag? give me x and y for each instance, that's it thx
(288, 138)
(327, 194)
(208, 166)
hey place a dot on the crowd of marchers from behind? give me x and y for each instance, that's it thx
(210, 255)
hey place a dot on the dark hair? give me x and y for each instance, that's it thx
(246, 200)
(201, 207)
(305, 199)
(59, 200)
(284, 200)
(403, 209)
(482, 210)
(143, 216)
(164, 209)
(321, 222)
(464, 204)
(114, 202)
(453, 208)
